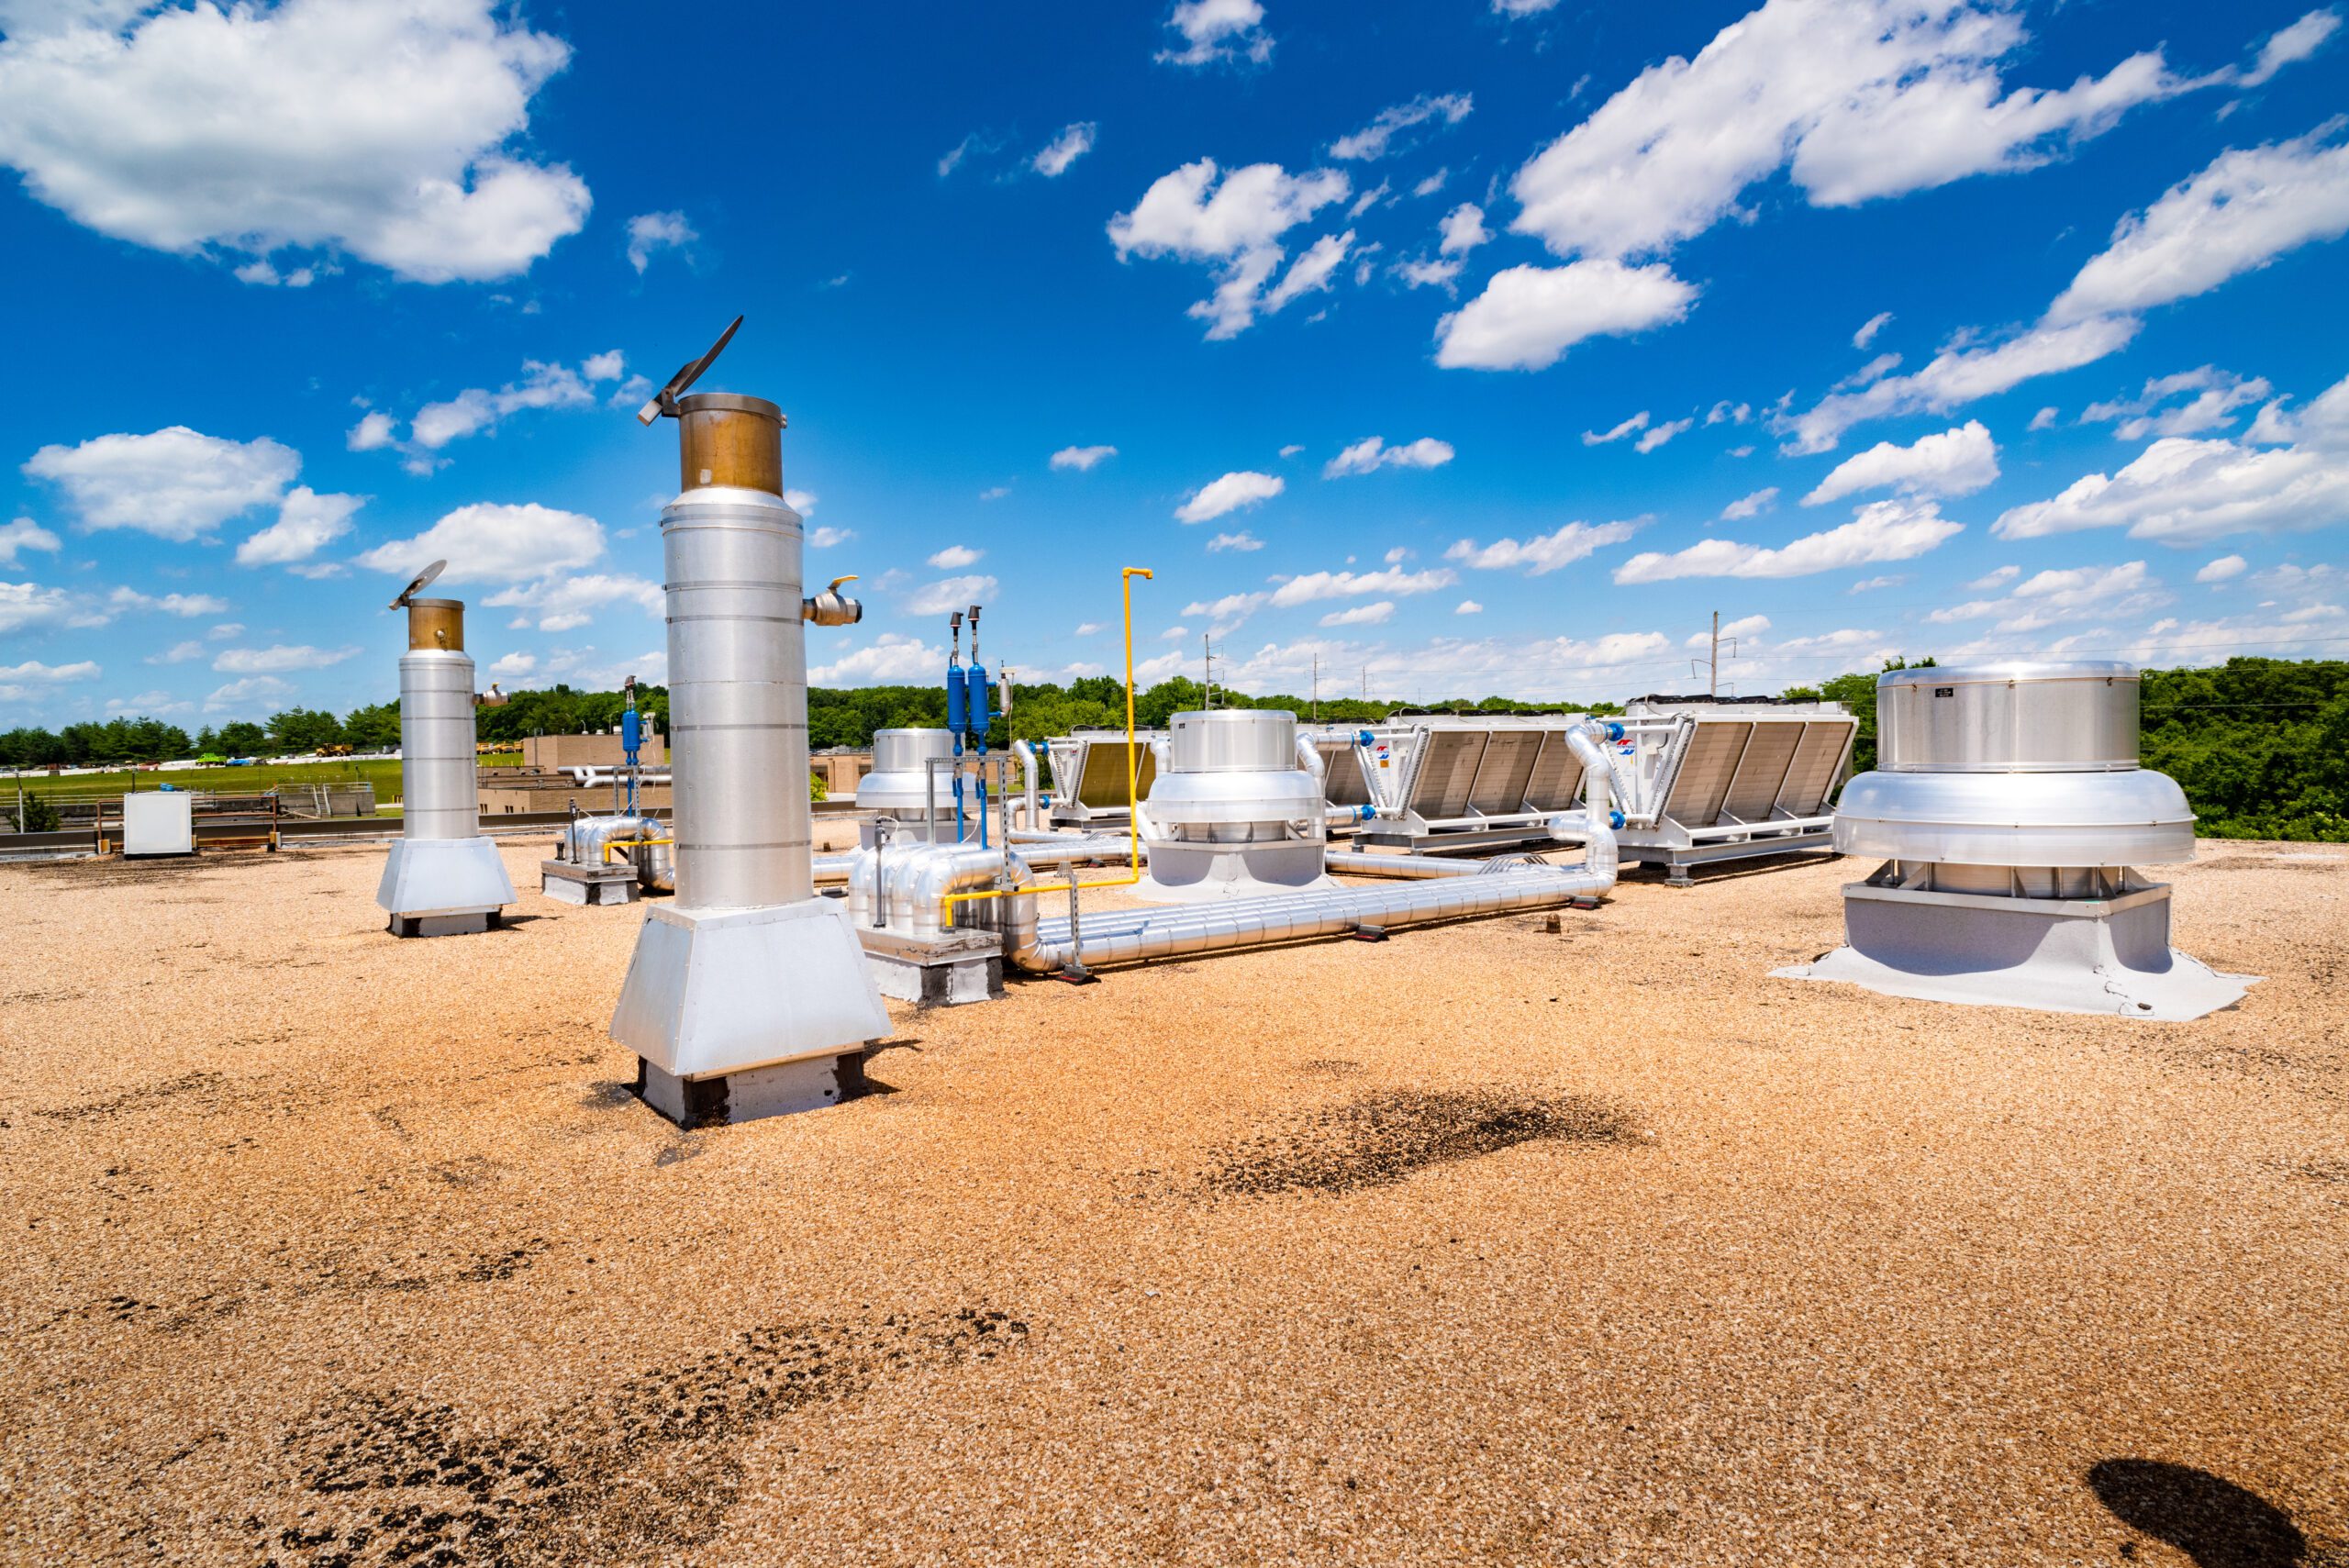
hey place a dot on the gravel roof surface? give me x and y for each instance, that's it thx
(1484, 1244)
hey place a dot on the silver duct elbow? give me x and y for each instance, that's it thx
(1308, 757)
(1030, 806)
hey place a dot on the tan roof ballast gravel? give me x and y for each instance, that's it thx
(1485, 1244)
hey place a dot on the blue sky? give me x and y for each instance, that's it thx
(1466, 347)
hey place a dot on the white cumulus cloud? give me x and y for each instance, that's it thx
(1379, 138)
(650, 233)
(1371, 453)
(1883, 531)
(279, 659)
(1957, 376)
(566, 603)
(1229, 494)
(2249, 206)
(949, 595)
(1527, 317)
(1216, 30)
(1855, 99)
(175, 483)
(1232, 221)
(22, 535)
(492, 543)
(1082, 458)
(2289, 474)
(1543, 554)
(307, 523)
(1955, 462)
(1378, 614)
(2221, 570)
(390, 130)
(1073, 143)
(2216, 396)
(954, 556)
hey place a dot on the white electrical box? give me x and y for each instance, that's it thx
(158, 822)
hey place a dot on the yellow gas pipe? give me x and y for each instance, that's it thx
(1133, 765)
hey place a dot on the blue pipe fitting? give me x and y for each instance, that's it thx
(1615, 820)
(1614, 731)
(1364, 737)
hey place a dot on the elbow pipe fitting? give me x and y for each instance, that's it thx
(832, 607)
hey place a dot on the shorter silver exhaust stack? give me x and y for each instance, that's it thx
(444, 877)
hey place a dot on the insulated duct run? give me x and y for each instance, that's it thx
(444, 877)
(1044, 945)
(2008, 810)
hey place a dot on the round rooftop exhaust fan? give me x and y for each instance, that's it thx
(900, 784)
(2008, 810)
(1233, 812)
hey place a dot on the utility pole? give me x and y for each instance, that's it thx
(1316, 688)
(1207, 652)
(1712, 668)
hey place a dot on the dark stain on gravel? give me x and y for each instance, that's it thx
(638, 1472)
(1388, 1138)
(134, 1099)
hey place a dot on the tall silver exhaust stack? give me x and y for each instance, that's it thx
(2009, 812)
(444, 878)
(747, 994)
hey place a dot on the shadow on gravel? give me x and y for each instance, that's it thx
(2213, 1521)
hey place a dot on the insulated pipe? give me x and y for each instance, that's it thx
(1124, 937)
(439, 796)
(1347, 816)
(1127, 936)
(1308, 757)
(1061, 849)
(1364, 863)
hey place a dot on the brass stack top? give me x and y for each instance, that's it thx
(727, 440)
(437, 623)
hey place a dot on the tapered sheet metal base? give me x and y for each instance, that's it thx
(2056, 956)
(719, 992)
(440, 887)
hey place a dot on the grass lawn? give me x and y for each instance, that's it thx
(383, 772)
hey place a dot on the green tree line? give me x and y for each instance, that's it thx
(2260, 745)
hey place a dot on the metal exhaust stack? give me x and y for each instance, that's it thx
(444, 878)
(747, 994)
(2009, 807)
